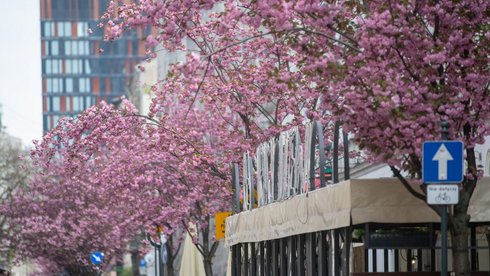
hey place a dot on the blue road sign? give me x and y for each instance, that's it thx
(96, 257)
(142, 263)
(442, 162)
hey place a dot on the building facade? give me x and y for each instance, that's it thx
(79, 69)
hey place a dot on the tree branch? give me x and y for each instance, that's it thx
(405, 183)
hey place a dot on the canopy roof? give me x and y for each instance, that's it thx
(350, 202)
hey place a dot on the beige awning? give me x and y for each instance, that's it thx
(347, 203)
(192, 261)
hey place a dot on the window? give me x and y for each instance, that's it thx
(67, 26)
(81, 48)
(45, 123)
(68, 48)
(55, 120)
(82, 29)
(49, 85)
(88, 101)
(84, 85)
(48, 29)
(76, 66)
(68, 65)
(87, 48)
(56, 86)
(74, 48)
(55, 48)
(56, 104)
(61, 29)
(78, 104)
(87, 67)
(81, 84)
(56, 66)
(69, 85)
(48, 66)
(69, 104)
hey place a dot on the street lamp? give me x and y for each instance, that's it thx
(160, 252)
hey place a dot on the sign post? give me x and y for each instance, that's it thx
(442, 168)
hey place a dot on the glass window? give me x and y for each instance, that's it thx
(68, 48)
(74, 66)
(56, 87)
(55, 69)
(69, 85)
(55, 120)
(81, 31)
(60, 66)
(87, 67)
(78, 104)
(74, 48)
(88, 101)
(81, 84)
(48, 66)
(80, 65)
(68, 65)
(55, 47)
(81, 48)
(48, 29)
(48, 122)
(67, 28)
(69, 103)
(56, 103)
(45, 30)
(45, 123)
(49, 85)
(84, 84)
(61, 29)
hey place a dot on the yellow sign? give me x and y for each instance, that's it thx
(159, 229)
(220, 223)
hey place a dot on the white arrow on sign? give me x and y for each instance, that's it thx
(97, 258)
(442, 156)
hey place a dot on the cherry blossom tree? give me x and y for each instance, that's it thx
(68, 211)
(103, 177)
(391, 71)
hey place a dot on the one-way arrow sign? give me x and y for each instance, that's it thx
(442, 162)
(442, 156)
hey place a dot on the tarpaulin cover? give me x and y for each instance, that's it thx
(350, 202)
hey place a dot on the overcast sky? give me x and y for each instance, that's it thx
(20, 69)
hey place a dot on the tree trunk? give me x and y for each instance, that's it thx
(459, 224)
(206, 258)
(170, 258)
(208, 266)
(135, 263)
(119, 265)
(459, 239)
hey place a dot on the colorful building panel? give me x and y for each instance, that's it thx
(80, 69)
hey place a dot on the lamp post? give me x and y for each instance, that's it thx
(160, 252)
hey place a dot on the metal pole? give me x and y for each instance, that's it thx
(156, 261)
(335, 161)
(444, 136)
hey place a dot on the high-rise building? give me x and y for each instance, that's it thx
(80, 69)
